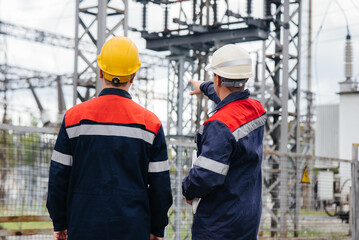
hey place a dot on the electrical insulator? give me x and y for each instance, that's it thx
(144, 16)
(194, 11)
(249, 7)
(215, 12)
(166, 18)
(348, 59)
(267, 7)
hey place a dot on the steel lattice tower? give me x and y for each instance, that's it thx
(281, 98)
(96, 21)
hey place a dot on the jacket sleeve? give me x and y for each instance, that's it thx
(159, 185)
(211, 167)
(60, 167)
(208, 89)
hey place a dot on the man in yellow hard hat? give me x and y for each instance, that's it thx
(224, 186)
(109, 173)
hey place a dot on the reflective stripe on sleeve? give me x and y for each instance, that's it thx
(200, 130)
(61, 158)
(244, 130)
(211, 165)
(110, 130)
(158, 166)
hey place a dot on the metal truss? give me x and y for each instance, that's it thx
(21, 78)
(190, 44)
(96, 21)
(281, 98)
(180, 106)
(35, 35)
(142, 88)
(205, 29)
(16, 78)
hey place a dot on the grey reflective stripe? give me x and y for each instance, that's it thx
(61, 158)
(200, 130)
(235, 62)
(211, 165)
(244, 130)
(158, 166)
(110, 130)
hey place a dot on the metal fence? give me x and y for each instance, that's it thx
(318, 197)
(24, 165)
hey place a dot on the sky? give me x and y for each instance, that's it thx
(59, 17)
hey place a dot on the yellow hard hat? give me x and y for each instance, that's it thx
(119, 59)
(232, 62)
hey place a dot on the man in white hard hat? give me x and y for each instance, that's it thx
(109, 173)
(224, 186)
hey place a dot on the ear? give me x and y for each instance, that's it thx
(101, 74)
(219, 81)
(134, 75)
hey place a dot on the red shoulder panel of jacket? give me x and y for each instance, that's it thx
(237, 113)
(112, 109)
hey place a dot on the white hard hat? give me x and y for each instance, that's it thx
(231, 62)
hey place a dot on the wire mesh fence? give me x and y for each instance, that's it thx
(24, 167)
(317, 199)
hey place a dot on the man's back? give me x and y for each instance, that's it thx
(118, 178)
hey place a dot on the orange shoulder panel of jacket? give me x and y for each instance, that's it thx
(112, 109)
(237, 113)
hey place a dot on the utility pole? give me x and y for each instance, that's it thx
(308, 133)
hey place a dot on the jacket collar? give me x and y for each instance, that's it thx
(115, 91)
(231, 98)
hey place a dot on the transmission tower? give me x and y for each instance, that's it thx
(281, 99)
(95, 22)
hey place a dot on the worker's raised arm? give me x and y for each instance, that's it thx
(206, 88)
(159, 185)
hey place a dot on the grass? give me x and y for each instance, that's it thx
(26, 225)
(314, 213)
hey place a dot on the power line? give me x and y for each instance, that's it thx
(322, 22)
(316, 48)
(345, 16)
(357, 8)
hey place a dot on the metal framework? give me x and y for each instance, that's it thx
(35, 35)
(190, 44)
(17, 76)
(281, 98)
(95, 22)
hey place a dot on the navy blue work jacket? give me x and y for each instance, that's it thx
(109, 173)
(227, 172)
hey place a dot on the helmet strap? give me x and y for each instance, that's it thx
(236, 84)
